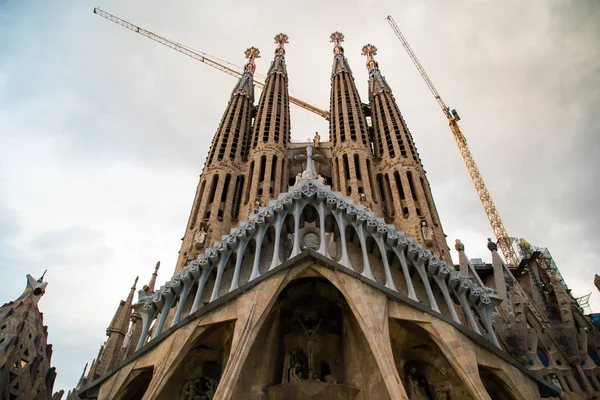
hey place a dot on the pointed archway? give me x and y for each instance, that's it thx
(310, 347)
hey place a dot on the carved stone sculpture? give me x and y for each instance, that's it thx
(199, 389)
(200, 238)
(427, 233)
(310, 339)
(458, 245)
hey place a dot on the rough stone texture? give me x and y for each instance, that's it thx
(380, 338)
(25, 356)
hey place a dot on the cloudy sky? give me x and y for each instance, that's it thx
(103, 133)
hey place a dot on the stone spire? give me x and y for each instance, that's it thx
(25, 356)
(278, 64)
(352, 158)
(377, 82)
(499, 278)
(116, 331)
(217, 202)
(266, 172)
(149, 288)
(403, 184)
(340, 63)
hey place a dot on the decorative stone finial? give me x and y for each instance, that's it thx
(597, 281)
(458, 245)
(251, 54)
(492, 246)
(369, 50)
(337, 38)
(281, 39)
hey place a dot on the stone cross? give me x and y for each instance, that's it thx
(309, 157)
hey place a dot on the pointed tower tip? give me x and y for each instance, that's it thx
(157, 267)
(337, 38)
(135, 282)
(251, 54)
(41, 278)
(281, 39)
(370, 50)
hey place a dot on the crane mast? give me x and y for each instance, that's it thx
(453, 118)
(202, 57)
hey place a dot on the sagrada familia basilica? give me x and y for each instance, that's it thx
(320, 270)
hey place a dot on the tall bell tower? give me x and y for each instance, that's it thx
(402, 182)
(266, 165)
(215, 207)
(352, 158)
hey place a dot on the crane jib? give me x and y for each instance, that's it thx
(206, 60)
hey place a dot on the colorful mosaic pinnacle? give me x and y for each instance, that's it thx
(369, 50)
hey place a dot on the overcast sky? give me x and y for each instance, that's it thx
(103, 132)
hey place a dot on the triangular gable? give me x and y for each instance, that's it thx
(311, 190)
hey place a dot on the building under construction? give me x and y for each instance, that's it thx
(320, 270)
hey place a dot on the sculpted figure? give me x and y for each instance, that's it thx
(317, 139)
(310, 339)
(414, 387)
(296, 375)
(200, 238)
(427, 233)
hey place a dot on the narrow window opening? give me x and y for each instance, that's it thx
(273, 169)
(357, 167)
(237, 196)
(382, 194)
(213, 189)
(399, 185)
(261, 171)
(371, 185)
(250, 179)
(411, 185)
(346, 166)
(225, 188)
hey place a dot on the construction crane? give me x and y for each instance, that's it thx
(202, 57)
(453, 118)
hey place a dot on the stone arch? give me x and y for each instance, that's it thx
(136, 384)
(332, 236)
(375, 259)
(312, 327)
(266, 253)
(286, 241)
(354, 248)
(421, 364)
(197, 371)
(494, 385)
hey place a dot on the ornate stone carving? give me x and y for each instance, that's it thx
(427, 233)
(199, 389)
(458, 245)
(200, 237)
(416, 385)
(310, 332)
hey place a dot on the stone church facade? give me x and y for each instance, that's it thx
(321, 271)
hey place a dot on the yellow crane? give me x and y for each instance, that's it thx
(453, 118)
(202, 57)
